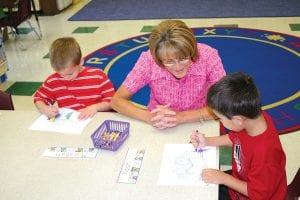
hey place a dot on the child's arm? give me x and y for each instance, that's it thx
(213, 175)
(218, 177)
(91, 110)
(103, 106)
(199, 140)
(49, 111)
(222, 140)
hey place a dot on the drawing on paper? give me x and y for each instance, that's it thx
(188, 164)
(65, 122)
(182, 165)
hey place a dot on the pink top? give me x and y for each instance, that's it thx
(182, 94)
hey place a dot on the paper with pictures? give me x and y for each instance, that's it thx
(66, 122)
(131, 166)
(181, 165)
(70, 152)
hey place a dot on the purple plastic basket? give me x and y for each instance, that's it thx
(109, 127)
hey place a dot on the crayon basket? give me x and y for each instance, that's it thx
(110, 135)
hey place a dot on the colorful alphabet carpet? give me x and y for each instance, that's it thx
(272, 58)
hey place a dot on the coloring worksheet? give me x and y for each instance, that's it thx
(65, 122)
(182, 165)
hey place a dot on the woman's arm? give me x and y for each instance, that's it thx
(194, 115)
(121, 103)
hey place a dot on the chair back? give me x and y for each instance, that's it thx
(24, 10)
(293, 191)
(7, 3)
(6, 102)
(14, 17)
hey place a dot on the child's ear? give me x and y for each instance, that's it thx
(81, 61)
(238, 120)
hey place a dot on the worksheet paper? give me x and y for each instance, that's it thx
(66, 122)
(182, 165)
(70, 152)
(131, 166)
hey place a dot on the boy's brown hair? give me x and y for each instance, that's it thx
(235, 94)
(64, 52)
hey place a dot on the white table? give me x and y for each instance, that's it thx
(25, 174)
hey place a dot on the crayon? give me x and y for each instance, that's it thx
(52, 119)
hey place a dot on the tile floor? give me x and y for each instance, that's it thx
(32, 63)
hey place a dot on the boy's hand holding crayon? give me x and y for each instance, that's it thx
(198, 140)
(50, 111)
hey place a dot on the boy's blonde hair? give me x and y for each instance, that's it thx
(64, 52)
(172, 37)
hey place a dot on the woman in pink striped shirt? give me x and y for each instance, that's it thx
(179, 72)
(72, 85)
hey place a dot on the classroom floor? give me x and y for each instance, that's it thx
(28, 56)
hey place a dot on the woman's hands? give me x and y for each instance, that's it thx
(163, 117)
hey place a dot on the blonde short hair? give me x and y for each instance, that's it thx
(172, 36)
(64, 52)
